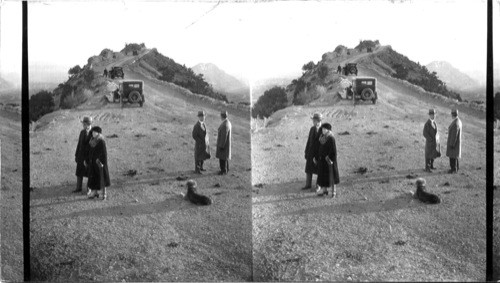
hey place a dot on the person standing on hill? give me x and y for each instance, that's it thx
(82, 153)
(105, 73)
(223, 152)
(311, 150)
(201, 147)
(98, 166)
(432, 146)
(454, 145)
(328, 172)
(339, 69)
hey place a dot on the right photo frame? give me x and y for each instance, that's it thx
(369, 163)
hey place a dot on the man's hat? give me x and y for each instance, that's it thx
(420, 182)
(317, 116)
(201, 113)
(223, 113)
(87, 120)
(191, 183)
(432, 111)
(454, 112)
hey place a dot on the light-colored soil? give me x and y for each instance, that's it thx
(374, 229)
(145, 231)
(11, 195)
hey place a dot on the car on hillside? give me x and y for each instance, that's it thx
(129, 92)
(116, 72)
(363, 89)
(350, 69)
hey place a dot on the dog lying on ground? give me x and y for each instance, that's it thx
(194, 197)
(424, 196)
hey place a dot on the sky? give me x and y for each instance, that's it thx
(252, 40)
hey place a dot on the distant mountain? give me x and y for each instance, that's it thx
(5, 85)
(454, 78)
(223, 82)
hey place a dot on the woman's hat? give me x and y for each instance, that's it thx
(191, 183)
(317, 116)
(327, 126)
(97, 129)
(201, 113)
(87, 120)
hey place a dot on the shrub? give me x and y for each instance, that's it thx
(323, 72)
(40, 104)
(88, 75)
(75, 70)
(68, 102)
(271, 101)
(308, 66)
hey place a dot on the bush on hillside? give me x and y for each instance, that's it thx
(271, 101)
(322, 72)
(40, 104)
(75, 70)
(88, 75)
(309, 66)
(68, 102)
(497, 105)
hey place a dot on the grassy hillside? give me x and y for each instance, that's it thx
(180, 75)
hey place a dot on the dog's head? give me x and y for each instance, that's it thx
(191, 185)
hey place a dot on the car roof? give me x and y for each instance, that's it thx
(132, 81)
(365, 78)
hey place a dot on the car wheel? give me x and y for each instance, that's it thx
(134, 97)
(367, 94)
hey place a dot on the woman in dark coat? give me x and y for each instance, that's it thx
(328, 172)
(98, 167)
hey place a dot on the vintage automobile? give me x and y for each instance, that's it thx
(129, 92)
(350, 69)
(363, 89)
(116, 72)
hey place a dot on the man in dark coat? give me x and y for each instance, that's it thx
(82, 153)
(105, 73)
(201, 147)
(339, 69)
(311, 150)
(454, 143)
(432, 146)
(224, 144)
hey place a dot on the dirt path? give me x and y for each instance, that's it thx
(374, 230)
(145, 231)
(11, 197)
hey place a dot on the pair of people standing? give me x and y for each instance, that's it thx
(202, 143)
(91, 160)
(321, 157)
(433, 147)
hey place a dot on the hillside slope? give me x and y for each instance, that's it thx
(145, 230)
(374, 230)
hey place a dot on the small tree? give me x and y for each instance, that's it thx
(308, 66)
(273, 100)
(40, 104)
(75, 70)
